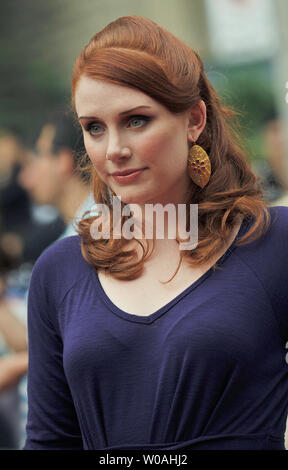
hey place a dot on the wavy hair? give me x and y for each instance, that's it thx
(136, 52)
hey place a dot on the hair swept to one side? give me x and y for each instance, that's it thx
(136, 52)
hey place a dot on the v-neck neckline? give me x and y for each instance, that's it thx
(147, 319)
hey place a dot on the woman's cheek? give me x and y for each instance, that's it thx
(88, 147)
(92, 154)
(157, 144)
(150, 150)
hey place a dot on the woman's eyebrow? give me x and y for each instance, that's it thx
(120, 114)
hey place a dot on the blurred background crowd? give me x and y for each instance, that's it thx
(244, 46)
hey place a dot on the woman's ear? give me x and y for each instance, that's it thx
(196, 121)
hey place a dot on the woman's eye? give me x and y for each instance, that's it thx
(93, 128)
(138, 121)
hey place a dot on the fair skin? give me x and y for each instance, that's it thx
(12, 369)
(153, 138)
(150, 137)
(12, 329)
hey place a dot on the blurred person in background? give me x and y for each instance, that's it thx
(14, 200)
(275, 146)
(13, 358)
(21, 228)
(52, 176)
(22, 239)
(274, 140)
(272, 167)
(16, 226)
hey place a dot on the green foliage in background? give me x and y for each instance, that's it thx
(248, 90)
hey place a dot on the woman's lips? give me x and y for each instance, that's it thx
(128, 178)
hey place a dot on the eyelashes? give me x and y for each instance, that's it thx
(145, 119)
(90, 127)
(94, 128)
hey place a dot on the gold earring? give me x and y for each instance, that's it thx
(199, 166)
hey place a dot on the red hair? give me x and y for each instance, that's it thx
(135, 52)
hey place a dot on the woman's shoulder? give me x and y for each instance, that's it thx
(279, 213)
(61, 251)
(279, 223)
(270, 248)
(61, 264)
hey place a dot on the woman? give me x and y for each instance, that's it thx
(134, 343)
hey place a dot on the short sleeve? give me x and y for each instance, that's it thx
(52, 422)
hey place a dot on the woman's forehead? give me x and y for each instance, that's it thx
(94, 94)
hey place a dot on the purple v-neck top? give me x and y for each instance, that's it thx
(207, 371)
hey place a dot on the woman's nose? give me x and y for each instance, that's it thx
(117, 150)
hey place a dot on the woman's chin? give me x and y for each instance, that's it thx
(132, 198)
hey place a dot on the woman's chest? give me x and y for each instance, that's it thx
(149, 293)
(209, 322)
